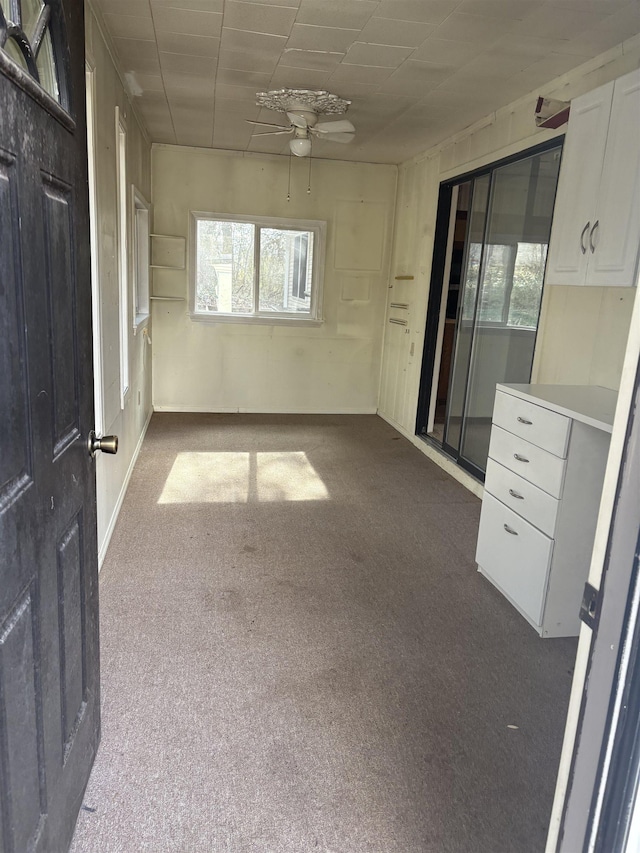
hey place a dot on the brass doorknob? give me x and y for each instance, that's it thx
(107, 444)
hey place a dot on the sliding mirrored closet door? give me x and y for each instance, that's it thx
(505, 249)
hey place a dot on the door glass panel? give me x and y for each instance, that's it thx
(510, 283)
(47, 67)
(25, 15)
(464, 337)
(30, 10)
(16, 54)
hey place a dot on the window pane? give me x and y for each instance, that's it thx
(47, 67)
(225, 267)
(286, 262)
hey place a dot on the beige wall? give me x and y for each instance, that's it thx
(128, 423)
(583, 330)
(583, 335)
(335, 367)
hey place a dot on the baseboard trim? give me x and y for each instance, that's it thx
(441, 459)
(102, 550)
(242, 410)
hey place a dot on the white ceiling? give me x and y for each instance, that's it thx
(416, 71)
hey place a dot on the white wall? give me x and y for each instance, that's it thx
(128, 423)
(335, 367)
(582, 333)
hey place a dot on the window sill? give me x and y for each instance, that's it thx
(217, 319)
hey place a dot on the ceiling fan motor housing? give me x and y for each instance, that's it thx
(303, 114)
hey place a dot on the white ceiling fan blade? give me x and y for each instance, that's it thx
(298, 119)
(343, 126)
(267, 124)
(272, 132)
(337, 137)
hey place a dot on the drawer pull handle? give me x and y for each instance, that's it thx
(524, 421)
(510, 530)
(516, 495)
(520, 458)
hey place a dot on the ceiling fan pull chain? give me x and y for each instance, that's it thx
(309, 178)
(289, 184)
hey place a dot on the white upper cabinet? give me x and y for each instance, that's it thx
(596, 222)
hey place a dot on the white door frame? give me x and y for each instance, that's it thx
(595, 691)
(96, 307)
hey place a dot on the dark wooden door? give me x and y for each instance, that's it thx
(49, 674)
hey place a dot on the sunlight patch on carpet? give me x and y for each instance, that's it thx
(238, 477)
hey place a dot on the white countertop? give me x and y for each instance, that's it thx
(589, 404)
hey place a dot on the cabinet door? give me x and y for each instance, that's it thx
(575, 208)
(514, 556)
(613, 244)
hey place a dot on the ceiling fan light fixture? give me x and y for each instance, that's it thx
(300, 147)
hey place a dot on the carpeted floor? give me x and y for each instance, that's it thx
(299, 655)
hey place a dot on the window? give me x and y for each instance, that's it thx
(256, 269)
(140, 259)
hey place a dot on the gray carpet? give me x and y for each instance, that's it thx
(299, 655)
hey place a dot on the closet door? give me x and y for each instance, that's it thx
(510, 290)
(504, 265)
(465, 323)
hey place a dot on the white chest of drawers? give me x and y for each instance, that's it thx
(547, 457)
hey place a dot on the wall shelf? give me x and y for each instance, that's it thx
(168, 252)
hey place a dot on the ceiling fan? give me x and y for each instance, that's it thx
(304, 124)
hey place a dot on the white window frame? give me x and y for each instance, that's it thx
(140, 218)
(319, 230)
(123, 258)
(96, 302)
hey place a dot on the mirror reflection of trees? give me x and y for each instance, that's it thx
(512, 284)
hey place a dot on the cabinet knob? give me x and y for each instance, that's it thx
(516, 495)
(520, 458)
(524, 421)
(510, 530)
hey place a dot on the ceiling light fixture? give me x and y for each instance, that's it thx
(300, 147)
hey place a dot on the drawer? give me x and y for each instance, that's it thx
(534, 423)
(517, 562)
(530, 502)
(536, 465)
